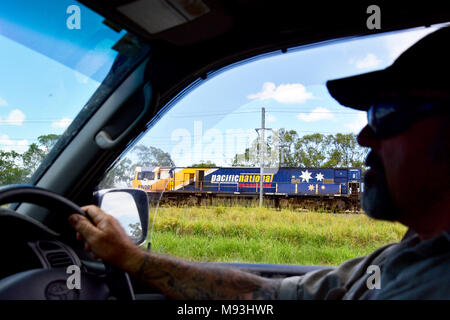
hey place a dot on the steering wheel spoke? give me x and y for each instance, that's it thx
(50, 284)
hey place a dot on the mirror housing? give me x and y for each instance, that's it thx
(130, 207)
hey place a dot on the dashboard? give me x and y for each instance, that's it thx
(35, 261)
(47, 254)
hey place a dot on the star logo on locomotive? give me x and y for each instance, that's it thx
(306, 176)
(319, 176)
(311, 187)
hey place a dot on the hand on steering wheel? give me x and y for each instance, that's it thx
(106, 238)
(35, 284)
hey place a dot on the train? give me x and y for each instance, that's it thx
(312, 188)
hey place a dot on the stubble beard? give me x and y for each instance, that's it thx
(376, 200)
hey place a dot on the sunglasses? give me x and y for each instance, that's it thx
(388, 118)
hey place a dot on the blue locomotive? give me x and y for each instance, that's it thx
(289, 186)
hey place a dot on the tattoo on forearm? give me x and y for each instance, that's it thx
(184, 280)
(143, 265)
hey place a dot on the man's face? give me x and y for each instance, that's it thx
(408, 172)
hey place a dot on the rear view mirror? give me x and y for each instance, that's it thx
(130, 207)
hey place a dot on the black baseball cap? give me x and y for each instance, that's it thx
(423, 71)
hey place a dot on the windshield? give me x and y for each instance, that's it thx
(55, 55)
(246, 164)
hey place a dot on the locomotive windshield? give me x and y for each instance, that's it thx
(146, 175)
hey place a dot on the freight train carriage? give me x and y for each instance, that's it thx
(317, 187)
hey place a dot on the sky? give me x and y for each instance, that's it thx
(42, 89)
(218, 118)
(47, 70)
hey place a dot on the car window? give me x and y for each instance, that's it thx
(201, 162)
(54, 60)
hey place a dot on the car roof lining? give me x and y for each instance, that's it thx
(234, 20)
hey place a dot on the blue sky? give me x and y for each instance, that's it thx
(218, 118)
(47, 71)
(42, 88)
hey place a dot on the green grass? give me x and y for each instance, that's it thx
(262, 235)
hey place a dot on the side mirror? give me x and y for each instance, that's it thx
(130, 207)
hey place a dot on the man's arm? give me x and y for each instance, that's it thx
(176, 278)
(180, 279)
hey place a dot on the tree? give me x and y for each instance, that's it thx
(345, 151)
(36, 152)
(250, 157)
(152, 157)
(18, 168)
(120, 174)
(135, 230)
(311, 150)
(202, 164)
(47, 142)
(33, 157)
(314, 150)
(287, 139)
(277, 145)
(11, 169)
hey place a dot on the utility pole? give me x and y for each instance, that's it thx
(262, 152)
(281, 155)
(262, 149)
(281, 147)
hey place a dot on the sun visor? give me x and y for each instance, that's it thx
(159, 15)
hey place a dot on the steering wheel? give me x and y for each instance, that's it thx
(49, 284)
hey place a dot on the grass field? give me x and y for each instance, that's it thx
(261, 235)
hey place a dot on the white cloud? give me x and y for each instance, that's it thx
(7, 144)
(15, 117)
(270, 118)
(316, 114)
(120, 204)
(81, 78)
(3, 102)
(368, 62)
(62, 123)
(359, 123)
(284, 93)
(396, 44)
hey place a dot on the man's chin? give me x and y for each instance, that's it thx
(377, 203)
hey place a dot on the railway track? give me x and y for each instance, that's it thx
(279, 201)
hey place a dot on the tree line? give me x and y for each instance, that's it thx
(18, 167)
(285, 148)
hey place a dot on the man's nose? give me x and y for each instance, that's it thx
(366, 137)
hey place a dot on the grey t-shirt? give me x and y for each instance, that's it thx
(411, 269)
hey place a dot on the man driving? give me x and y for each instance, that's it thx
(408, 181)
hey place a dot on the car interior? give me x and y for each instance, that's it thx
(169, 48)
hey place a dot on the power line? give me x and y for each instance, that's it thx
(168, 139)
(192, 115)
